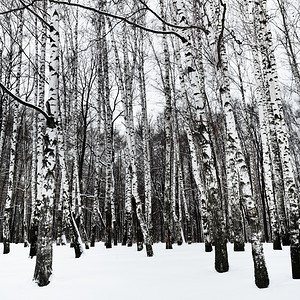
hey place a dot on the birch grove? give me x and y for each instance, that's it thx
(137, 122)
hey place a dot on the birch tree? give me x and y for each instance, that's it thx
(43, 267)
(125, 86)
(13, 144)
(276, 118)
(37, 178)
(235, 157)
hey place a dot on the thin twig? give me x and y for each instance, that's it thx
(120, 18)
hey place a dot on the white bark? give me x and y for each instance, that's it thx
(13, 145)
(125, 85)
(236, 165)
(43, 267)
(37, 200)
(277, 116)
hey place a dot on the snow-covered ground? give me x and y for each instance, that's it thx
(184, 273)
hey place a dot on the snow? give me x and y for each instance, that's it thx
(183, 273)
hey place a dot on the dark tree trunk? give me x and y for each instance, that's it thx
(93, 236)
(221, 257)
(260, 270)
(276, 241)
(76, 238)
(33, 240)
(295, 260)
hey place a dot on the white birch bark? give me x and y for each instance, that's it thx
(13, 145)
(125, 85)
(266, 140)
(146, 136)
(290, 49)
(181, 191)
(196, 88)
(272, 110)
(290, 191)
(37, 200)
(236, 160)
(43, 267)
(77, 204)
(127, 239)
(168, 218)
(175, 195)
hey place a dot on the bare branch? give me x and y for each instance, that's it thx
(42, 20)
(170, 24)
(18, 8)
(220, 39)
(14, 97)
(120, 18)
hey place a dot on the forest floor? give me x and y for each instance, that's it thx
(184, 273)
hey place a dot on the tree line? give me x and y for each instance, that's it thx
(84, 159)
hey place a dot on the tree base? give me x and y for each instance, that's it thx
(208, 247)
(295, 260)
(6, 247)
(139, 246)
(221, 258)
(169, 245)
(149, 250)
(239, 247)
(108, 245)
(277, 244)
(260, 270)
(78, 250)
(286, 240)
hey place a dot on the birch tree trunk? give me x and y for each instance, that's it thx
(195, 150)
(146, 136)
(77, 211)
(168, 136)
(37, 196)
(181, 192)
(127, 237)
(235, 157)
(266, 148)
(125, 85)
(13, 145)
(209, 179)
(43, 267)
(108, 130)
(277, 116)
(289, 45)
